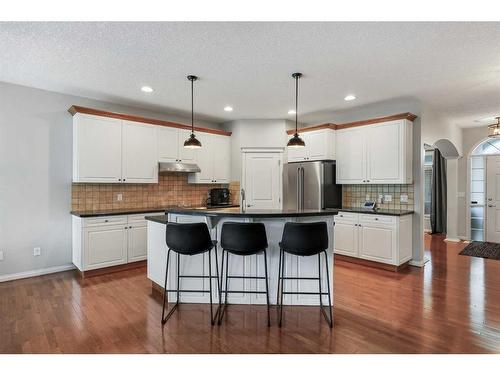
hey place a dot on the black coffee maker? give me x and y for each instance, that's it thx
(219, 197)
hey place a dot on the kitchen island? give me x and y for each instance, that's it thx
(274, 221)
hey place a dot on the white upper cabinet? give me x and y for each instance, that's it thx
(320, 145)
(171, 145)
(375, 154)
(139, 153)
(110, 150)
(351, 162)
(168, 145)
(213, 158)
(97, 143)
(222, 156)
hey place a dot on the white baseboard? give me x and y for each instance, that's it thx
(452, 239)
(39, 272)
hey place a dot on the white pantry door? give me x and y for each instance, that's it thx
(262, 180)
(493, 199)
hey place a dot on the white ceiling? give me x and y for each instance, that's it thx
(453, 67)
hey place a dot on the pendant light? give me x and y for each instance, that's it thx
(192, 142)
(296, 141)
(495, 129)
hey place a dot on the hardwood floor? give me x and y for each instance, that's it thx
(452, 305)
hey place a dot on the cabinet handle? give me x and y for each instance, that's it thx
(106, 221)
(376, 218)
(130, 227)
(119, 179)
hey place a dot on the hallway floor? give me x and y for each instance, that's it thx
(452, 305)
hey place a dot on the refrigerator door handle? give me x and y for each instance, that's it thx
(301, 188)
(298, 188)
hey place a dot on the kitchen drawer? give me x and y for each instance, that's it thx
(139, 218)
(105, 220)
(346, 217)
(377, 219)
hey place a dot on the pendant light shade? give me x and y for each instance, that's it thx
(296, 141)
(495, 129)
(192, 142)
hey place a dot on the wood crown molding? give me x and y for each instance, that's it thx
(401, 116)
(74, 109)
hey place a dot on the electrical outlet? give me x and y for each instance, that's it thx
(37, 251)
(388, 198)
(119, 197)
(403, 198)
(1, 255)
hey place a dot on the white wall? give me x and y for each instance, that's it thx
(253, 133)
(35, 174)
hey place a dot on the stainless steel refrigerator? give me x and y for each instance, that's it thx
(311, 185)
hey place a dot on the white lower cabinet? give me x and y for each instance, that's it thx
(100, 242)
(104, 246)
(379, 238)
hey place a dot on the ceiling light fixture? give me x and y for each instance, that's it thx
(495, 129)
(147, 89)
(228, 108)
(348, 98)
(296, 141)
(192, 142)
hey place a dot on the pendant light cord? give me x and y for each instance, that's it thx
(296, 103)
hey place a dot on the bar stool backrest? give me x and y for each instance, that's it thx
(305, 238)
(189, 238)
(244, 238)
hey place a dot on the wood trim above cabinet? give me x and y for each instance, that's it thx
(401, 116)
(312, 128)
(74, 109)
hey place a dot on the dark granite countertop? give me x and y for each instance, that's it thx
(378, 211)
(238, 212)
(131, 211)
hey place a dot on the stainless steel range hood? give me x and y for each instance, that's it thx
(178, 167)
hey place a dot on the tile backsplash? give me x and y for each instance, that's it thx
(171, 189)
(355, 195)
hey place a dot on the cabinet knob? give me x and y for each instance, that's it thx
(123, 179)
(376, 218)
(106, 221)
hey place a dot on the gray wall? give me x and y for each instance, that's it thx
(35, 174)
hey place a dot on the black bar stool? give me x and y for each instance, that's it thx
(189, 239)
(304, 239)
(242, 239)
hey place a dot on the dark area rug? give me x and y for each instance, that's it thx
(479, 249)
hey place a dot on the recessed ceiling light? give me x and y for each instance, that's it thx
(348, 98)
(147, 89)
(291, 112)
(228, 108)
